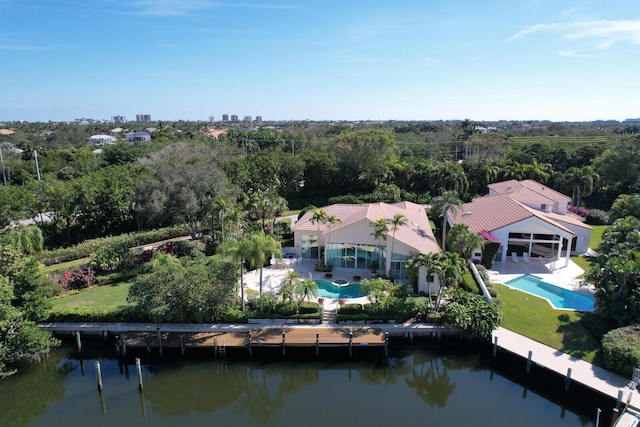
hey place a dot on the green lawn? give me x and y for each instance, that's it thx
(561, 329)
(107, 297)
(594, 243)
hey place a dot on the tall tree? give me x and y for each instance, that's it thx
(319, 217)
(463, 241)
(441, 206)
(398, 220)
(331, 220)
(380, 230)
(185, 184)
(261, 248)
(239, 251)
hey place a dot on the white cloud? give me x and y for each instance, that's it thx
(574, 54)
(604, 33)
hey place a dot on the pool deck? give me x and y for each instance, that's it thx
(563, 277)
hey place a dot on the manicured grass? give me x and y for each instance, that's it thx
(596, 236)
(103, 297)
(561, 329)
(594, 243)
(66, 266)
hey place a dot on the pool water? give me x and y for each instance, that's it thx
(327, 289)
(558, 297)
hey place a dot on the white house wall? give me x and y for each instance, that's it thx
(530, 225)
(582, 237)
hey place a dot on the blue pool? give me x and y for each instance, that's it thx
(558, 297)
(327, 289)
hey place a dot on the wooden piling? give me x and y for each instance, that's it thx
(139, 371)
(159, 342)
(143, 407)
(98, 375)
(317, 343)
(529, 359)
(78, 342)
(215, 346)
(250, 345)
(386, 344)
(284, 344)
(350, 344)
(567, 380)
(123, 345)
(598, 411)
(495, 345)
(620, 395)
(182, 345)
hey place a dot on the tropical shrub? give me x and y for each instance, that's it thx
(471, 313)
(621, 350)
(110, 257)
(81, 278)
(598, 217)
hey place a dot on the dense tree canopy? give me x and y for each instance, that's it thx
(182, 291)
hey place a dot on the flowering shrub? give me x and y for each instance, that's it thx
(167, 248)
(579, 210)
(488, 236)
(341, 301)
(320, 300)
(77, 279)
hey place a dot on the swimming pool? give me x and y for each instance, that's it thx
(558, 297)
(327, 289)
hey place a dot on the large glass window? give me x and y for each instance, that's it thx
(398, 267)
(309, 247)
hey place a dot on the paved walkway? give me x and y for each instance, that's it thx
(582, 372)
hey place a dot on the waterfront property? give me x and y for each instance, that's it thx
(350, 243)
(530, 220)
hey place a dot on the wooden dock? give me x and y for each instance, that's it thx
(572, 368)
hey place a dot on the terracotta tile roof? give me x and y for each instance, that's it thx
(523, 190)
(490, 213)
(416, 234)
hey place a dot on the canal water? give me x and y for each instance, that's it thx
(421, 384)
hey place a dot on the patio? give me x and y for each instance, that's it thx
(564, 277)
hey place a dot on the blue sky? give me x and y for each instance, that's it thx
(320, 60)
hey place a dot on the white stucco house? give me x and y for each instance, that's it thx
(102, 139)
(529, 219)
(350, 244)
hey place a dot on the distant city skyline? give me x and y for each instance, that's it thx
(574, 60)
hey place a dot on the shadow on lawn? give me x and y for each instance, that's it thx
(577, 340)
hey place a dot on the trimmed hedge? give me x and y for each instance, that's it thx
(621, 350)
(86, 248)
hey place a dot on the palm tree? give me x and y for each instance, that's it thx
(448, 202)
(261, 248)
(428, 261)
(450, 270)
(398, 220)
(583, 181)
(289, 286)
(319, 217)
(331, 220)
(238, 250)
(27, 238)
(380, 229)
(305, 288)
(540, 172)
(463, 241)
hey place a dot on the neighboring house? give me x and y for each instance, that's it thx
(138, 136)
(215, 133)
(527, 218)
(350, 243)
(102, 139)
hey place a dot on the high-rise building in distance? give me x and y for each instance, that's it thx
(143, 117)
(225, 117)
(234, 117)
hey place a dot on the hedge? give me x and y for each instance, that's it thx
(621, 350)
(86, 248)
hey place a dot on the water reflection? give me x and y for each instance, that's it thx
(25, 396)
(447, 389)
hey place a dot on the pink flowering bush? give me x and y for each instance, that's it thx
(81, 278)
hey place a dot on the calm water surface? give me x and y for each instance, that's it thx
(420, 387)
